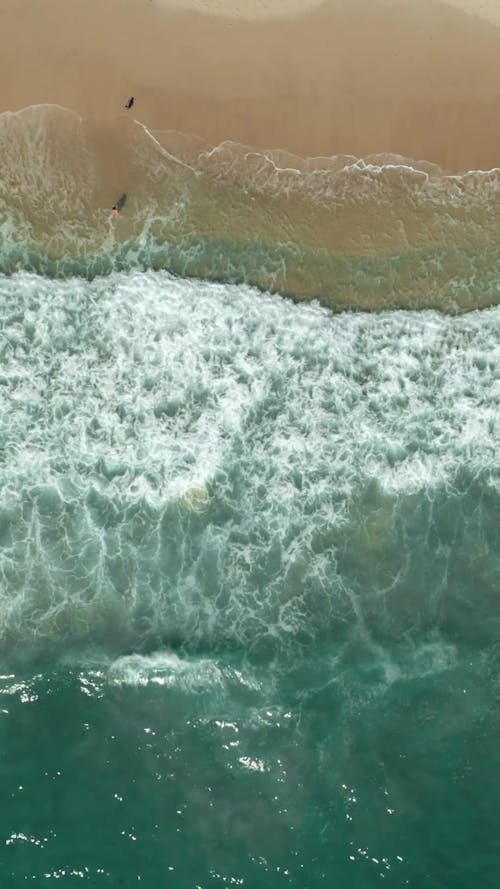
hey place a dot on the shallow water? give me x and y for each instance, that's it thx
(375, 233)
(249, 566)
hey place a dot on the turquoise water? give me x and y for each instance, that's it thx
(249, 575)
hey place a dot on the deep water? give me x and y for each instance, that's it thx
(249, 577)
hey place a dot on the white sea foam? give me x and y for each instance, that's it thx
(167, 670)
(199, 464)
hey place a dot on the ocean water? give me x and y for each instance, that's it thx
(249, 546)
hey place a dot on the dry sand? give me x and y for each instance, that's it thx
(416, 77)
(243, 9)
(489, 10)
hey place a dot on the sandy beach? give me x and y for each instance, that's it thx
(413, 77)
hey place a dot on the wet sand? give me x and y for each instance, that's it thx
(413, 77)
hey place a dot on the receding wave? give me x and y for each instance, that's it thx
(383, 232)
(199, 465)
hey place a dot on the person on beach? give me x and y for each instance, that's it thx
(129, 102)
(118, 207)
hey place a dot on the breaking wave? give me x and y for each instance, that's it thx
(194, 465)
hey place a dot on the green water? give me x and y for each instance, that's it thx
(249, 575)
(306, 773)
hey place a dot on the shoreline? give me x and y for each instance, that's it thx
(415, 78)
(358, 237)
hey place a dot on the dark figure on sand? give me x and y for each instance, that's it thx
(129, 103)
(118, 207)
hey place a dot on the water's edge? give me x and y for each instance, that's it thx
(372, 234)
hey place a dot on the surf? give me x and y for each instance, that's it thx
(204, 466)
